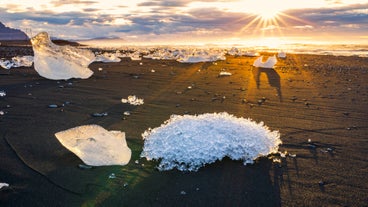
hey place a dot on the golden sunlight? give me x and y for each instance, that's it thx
(267, 13)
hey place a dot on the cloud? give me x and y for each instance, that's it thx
(58, 3)
(162, 4)
(179, 18)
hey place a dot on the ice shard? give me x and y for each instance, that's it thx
(96, 146)
(60, 62)
(270, 62)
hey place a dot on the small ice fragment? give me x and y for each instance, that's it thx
(183, 192)
(133, 100)
(189, 87)
(2, 113)
(125, 184)
(283, 154)
(127, 113)
(112, 176)
(100, 69)
(141, 63)
(53, 106)
(152, 71)
(2, 185)
(281, 54)
(2, 93)
(276, 160)
(99, 114)
(136, 162)
(309, 140)
(292, 155)
(225, 74)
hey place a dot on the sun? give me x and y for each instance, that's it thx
(267, 13)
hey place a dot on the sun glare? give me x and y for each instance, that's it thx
(267, 14)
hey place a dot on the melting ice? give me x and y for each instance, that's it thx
(270, 62)
(60, 62)
(18, 61)
(133, 100)
(189, 142)
(96, 146)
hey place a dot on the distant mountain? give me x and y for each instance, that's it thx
(7, 33)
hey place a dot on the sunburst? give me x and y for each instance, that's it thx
(268, 22)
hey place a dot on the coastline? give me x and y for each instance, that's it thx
(321, 98)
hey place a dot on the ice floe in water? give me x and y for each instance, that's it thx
(270, 62)
(133, 100)
(189, 142)
(60, 62)
(96, 146)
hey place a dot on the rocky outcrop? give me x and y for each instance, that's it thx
(7, 33)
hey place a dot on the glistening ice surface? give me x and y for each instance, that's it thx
(60, 62)
(189, 142)
(96, 146)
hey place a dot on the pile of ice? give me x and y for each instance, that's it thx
(133, 100)
(60, 62)
(18, 61)
(107, 57)
(242, 52)
(270, 62)
(187, 55)
(202, 56)
(189, 142)
(95, 145)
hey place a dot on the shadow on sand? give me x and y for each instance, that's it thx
(272, 76)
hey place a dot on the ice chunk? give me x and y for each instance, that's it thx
(189, 142)
(270, 62)
(2, 93)
(22, 61)
(107, 57)
(133, 100)
(6, 64)
(4, 185)
(95, 145)
(223, 73)
(60, 62)
(281, 54)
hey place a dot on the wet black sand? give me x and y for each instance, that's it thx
(321, 98)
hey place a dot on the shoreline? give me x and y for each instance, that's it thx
(321, 98)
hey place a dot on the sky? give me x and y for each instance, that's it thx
(206, 21)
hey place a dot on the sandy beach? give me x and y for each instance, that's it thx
(318, 103)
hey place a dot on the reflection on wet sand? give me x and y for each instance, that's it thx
(272, 76)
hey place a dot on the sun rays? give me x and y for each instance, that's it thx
(269, 23)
